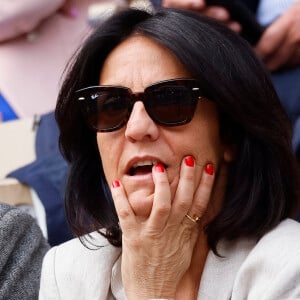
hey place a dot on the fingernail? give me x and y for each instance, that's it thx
(159, 168)
(189, 161)
(209, 169)
(115, 183)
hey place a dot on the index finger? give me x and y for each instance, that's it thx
(203, 192)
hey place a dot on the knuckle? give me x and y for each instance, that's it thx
(163, 209)
(123, 213)
(183, 204)
(200, 208)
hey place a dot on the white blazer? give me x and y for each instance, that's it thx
(266, 270)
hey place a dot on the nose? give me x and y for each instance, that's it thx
(140, 127)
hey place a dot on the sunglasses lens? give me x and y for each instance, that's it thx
(168, 103)
(171, 105)
(106, 108)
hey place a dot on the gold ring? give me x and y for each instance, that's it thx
(194, 218)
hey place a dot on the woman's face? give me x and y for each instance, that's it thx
(137, 63)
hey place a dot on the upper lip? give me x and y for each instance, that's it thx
(136, 161)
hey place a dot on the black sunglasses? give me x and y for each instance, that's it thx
(168, 103)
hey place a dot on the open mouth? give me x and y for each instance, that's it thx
(142, 168)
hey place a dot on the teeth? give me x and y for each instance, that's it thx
(144, 163)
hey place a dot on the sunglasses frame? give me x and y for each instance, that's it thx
(189, 83)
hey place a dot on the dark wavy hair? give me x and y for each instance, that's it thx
(263, 179)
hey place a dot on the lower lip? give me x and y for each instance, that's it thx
(141, 177)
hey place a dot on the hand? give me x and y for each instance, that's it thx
(157, 252)
(279, 47)
(219, 13)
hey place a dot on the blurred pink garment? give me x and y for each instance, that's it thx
(31, 65)
(18, 17)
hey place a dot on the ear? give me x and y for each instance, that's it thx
(229, 152)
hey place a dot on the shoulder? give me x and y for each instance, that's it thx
(283, 239)
(22, 250)
(69, 269)
(78, 252)
(15, 224)
(7, 210)
(86, 249)
(272, 268)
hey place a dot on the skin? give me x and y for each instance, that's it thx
(69, 9)
(217, 12)
(279, 45)
(163, 252)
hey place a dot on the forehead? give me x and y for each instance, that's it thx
(138, 62)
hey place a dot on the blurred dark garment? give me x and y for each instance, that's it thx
(22, 248)
(47, 176)
(296, 140)
(286, 83)
(252, 4)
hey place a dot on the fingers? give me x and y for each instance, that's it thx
(188, 198)
(185, 190)
(234, 26)
(222, 15)
(217, 12)
(273, 37)
(162, 198)
(277, 45)
(201, 197)
(125, 213)
(191, 201)
(187, 4)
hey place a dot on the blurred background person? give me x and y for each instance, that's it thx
(278, 47)
(22, 248)
(167, 166)
(37, 38)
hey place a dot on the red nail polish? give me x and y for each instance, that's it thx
(209, 169)
(189, 161)
(115, 183)
(159, 168)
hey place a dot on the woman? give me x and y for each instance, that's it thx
(183, 181)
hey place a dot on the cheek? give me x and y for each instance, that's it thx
(109, 156)
(204, 143)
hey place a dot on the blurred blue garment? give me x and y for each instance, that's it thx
(287, 85)
(47, 176)
(6, 111)
(296, 139)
